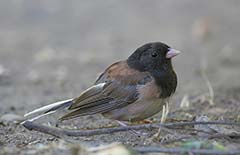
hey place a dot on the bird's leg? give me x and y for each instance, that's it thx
(165, 112)
(138, 133)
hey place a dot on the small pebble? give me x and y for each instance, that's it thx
(11, 118)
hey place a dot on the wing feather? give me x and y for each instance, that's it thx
(115, 88)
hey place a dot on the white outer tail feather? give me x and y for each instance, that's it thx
(52, 108)
(46, 108)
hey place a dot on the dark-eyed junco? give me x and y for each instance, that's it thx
(130, 90)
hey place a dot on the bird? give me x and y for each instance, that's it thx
(130, 90)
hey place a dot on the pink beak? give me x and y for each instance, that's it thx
(172, 53)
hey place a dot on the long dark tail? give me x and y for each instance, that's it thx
(48, 109)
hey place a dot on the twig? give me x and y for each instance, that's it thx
(221, 135)
(185, 137)
(58, 132)
(187, 129)
(145, 150)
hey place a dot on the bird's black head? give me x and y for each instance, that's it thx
(152, 56)
(155, 58)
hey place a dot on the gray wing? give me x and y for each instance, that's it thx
(114, 88)
(101, 98)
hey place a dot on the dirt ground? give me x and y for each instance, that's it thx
(53, 50)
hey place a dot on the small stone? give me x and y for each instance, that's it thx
(210, 128)
(114, 149)
(11, 118)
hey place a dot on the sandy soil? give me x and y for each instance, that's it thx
(53, 50)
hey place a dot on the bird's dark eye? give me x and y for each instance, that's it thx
(154, 54)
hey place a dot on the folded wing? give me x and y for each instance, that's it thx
(115, 88)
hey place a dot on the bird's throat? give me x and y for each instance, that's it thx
(167, 81)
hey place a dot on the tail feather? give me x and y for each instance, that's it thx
(48, 109)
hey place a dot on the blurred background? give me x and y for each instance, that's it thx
(52, 50)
